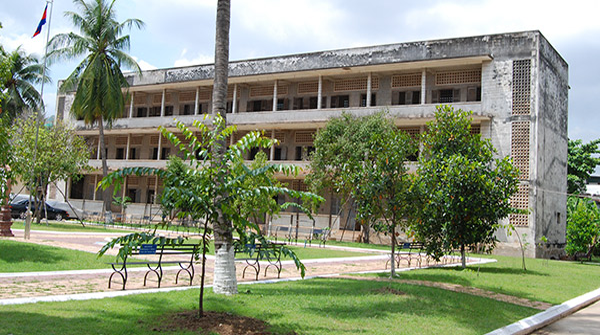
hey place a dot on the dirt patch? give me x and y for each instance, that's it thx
(388, 290)
(213, 322)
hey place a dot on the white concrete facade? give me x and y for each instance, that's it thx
(516, 84)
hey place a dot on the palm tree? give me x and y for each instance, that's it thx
(98, 78)
(23, 73)
(224, 281)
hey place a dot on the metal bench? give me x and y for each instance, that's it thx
(155, 265)
(255, 253)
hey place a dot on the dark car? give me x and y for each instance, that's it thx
(18, 209)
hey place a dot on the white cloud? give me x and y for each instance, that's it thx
(198, 59)
(283, 22)
(555, 19)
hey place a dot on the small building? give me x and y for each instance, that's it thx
(516, 84)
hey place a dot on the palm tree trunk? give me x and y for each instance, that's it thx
(106, 193)
(224, 281)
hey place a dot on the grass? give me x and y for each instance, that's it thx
(67, 226)
(317, 306)
(25, 257)
(17, 256)
(545, 280)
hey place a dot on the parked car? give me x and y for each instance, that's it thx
(18, 209)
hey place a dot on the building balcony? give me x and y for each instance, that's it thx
(287, 119)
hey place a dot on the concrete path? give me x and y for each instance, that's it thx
(585, 321)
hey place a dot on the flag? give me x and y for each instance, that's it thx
(42, 22)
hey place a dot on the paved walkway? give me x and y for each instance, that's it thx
(583, 322)
(93, 284)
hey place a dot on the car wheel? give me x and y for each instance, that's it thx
(58, 217)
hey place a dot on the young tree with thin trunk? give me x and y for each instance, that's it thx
(100, 84)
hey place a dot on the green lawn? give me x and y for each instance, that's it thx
(18, 256)
(68, 226)
(318, 306)
(545, 280)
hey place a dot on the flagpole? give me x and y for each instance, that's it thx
(27, 232)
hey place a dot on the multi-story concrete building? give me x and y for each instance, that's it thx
(516, 84)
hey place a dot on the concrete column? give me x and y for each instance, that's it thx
(423, 86)
(272, 153)
(369, 81)
(95, 183)
(131, 105)
(275, 96)
(98, 154)
(196, 107)
(162, 102)
(68, 188)
(128, 146)
(320, 92)
(234, 102)
(159, 147)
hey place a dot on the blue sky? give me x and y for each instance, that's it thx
(181, 32)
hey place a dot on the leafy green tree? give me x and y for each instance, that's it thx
(255, 207)
(383, 186)
(61, 154)
(583, 227)
(344, 150)
(581, 164)
(204, 190)
(5, 152)
(464, 191)
(24, 72)
(98, 78)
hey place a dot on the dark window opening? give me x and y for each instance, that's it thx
(77, 189)
(168, 110)
(446, 96)
(142, 112)
(154, 111)
(133, 194)
(164, 153)
(120, 153)
(154, 153)
(303, 152)
(277, 154)
(340, 101)
(133, 153)
(363, 100)
(150, 197)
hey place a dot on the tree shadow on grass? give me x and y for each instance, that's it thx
(310, 306)
(18, 252)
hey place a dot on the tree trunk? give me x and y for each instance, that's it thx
(106, 194)
(224, 281)
(463, 258)
(393, 259)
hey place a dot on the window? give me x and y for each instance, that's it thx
(340, 101)
(120, 153)
(281, 104)
(298, 104)
(409, 98)
(164, 153)
(363, 100)
(150, 197)
(154, 111)
(168, 110)
(303, 152)
(133, 153)
(445, 96)
(474, 94)
(133, 194)
(142, 112)
(154, 153)
(187, 109)
(279, 154)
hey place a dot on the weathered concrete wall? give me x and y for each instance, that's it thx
(551, 148)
